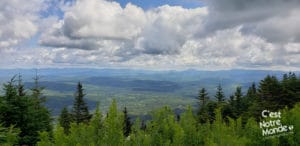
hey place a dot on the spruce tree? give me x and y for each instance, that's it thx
(219, 94)
(9, 114)
(65, 120)
(39, 114)
(127, 123)
(96, 126)
(211, 107)
(231, 101)
(238, 97)
(229, 110)
(291, 90)
(188, 124)
(21, 90)
(143, 125)
(113, 126)
(8, 135)
(80, 112)
(37, 90)
(24, 112)
(253, 102)
(270, 92)
(202, 109)
(252, 91)
(203, 97)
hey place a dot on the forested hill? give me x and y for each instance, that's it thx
(139, 90)
(268, 113)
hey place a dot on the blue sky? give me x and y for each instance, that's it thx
(150, 34)
(146, 4)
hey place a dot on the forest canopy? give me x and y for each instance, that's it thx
(218, 120)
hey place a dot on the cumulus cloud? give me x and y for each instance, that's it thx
(169, 28)
(18, 21)
(103, 19)
(275, 20)
(221, 35)
(88, 23)
(280, 29)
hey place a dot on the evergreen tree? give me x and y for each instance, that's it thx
(252, 91)
(65, 120)
(80, 112)
(38, 113)
(127, 123)
(37, 90)
(143, 125)
(203, 97)
(290, 89)
(211, 107)
(113, 126)
(8, 135)
(235, 107)
(202, 107)
(270, 92)
(238, 97)
(164, 128)
(253, 103)
(219, 94)
(10, 104)
(138, 136)
(232, 101)
(189, 124)
(25, 112)
(96, 126)
(21, 90)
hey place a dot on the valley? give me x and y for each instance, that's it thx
(139, 90)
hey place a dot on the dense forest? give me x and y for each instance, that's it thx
(266, 114)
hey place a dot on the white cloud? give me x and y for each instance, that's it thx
(281, 28)
(18, 20)
(97, 33)
(168, 28)
(219, 36)
(89, 23)
(275, 20)
(292, 48)
(103, 19)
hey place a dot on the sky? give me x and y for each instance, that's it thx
(150, 34)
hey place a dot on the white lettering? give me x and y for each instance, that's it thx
(264, 113)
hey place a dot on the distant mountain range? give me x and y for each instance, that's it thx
(137, 89)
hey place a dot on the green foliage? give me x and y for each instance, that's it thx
(293, 118)
(80, 112)
(219, 94)
(164, 129)
(189, 125)
(202, 111)
(65, 120)
(127, 123)
(270, 91)
(138, 136)
(211, 107)
(203, 97)
(229, 123)
(226, 135)
(25, 111)
(113, 125)
(8, 136)
(44, 139)
(96, 126)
